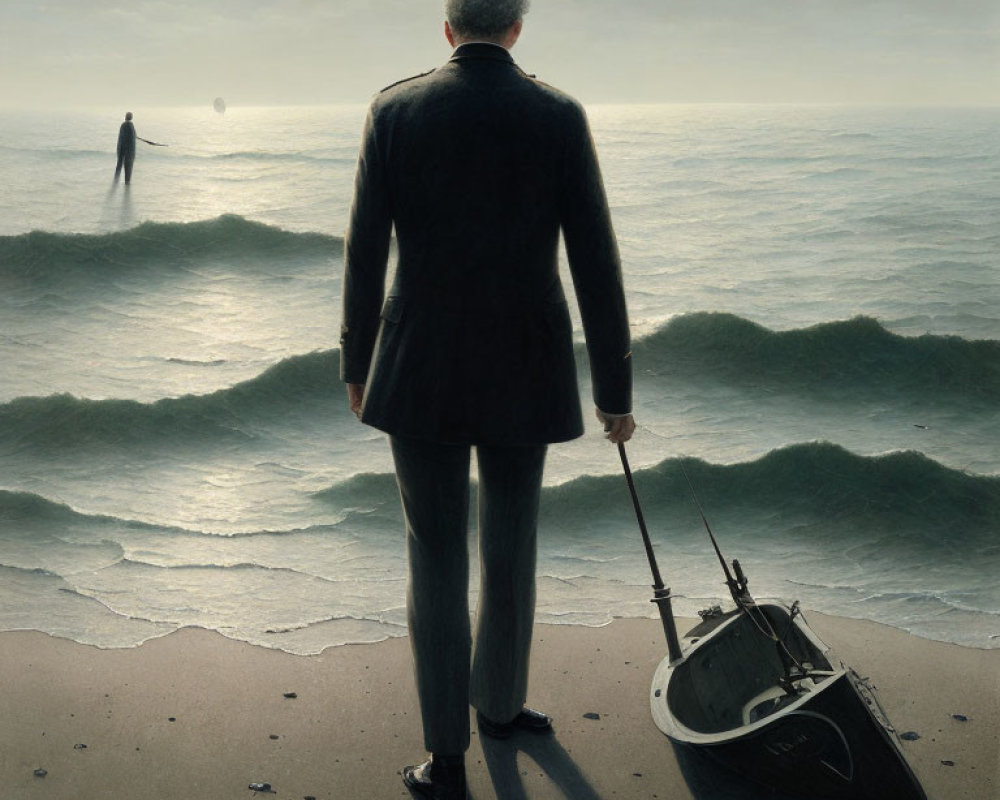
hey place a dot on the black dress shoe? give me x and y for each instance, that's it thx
(527, 720)
(438, 778)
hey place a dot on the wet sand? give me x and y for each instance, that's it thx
(196, 715)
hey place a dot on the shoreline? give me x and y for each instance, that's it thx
(194, 714)
(683, 616)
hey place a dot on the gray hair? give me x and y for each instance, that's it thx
(486, 18)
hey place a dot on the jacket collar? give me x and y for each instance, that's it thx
(480, 50)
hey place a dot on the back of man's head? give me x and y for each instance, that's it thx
(483, 19)
(128, 116)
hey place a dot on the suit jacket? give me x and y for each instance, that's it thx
(479, 167)
(126, 140)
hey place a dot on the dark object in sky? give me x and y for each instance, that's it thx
(754, 689)
(219, 105)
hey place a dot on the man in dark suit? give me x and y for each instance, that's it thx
(478, 166)
(126, 148)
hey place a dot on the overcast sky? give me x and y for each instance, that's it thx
(252, 52)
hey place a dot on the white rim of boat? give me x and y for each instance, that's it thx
(676, 730)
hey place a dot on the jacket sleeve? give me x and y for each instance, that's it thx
(366, 255)
(596, 268)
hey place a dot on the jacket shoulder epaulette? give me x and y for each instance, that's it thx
(405, 80)
(534, 79)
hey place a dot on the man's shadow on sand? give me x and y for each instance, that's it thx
(706, 779)
(547, 753)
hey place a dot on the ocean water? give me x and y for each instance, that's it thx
(815, 300)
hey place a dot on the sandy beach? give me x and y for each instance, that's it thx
(196, 715)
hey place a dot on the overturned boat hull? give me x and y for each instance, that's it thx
(818, 731)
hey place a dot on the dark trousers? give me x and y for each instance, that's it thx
(127, 162)
(450, 673)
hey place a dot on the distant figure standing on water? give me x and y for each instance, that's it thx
(126, 147)
(478, 166)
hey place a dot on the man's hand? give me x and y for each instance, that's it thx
(355, 394)
(617, 429)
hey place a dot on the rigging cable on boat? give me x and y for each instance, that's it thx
(738, 589)
(741, 595)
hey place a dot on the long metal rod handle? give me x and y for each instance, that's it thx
(661, 596)
(657, 580)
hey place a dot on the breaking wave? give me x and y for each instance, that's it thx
(855, 354)
(45, 256)
(842, 361)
